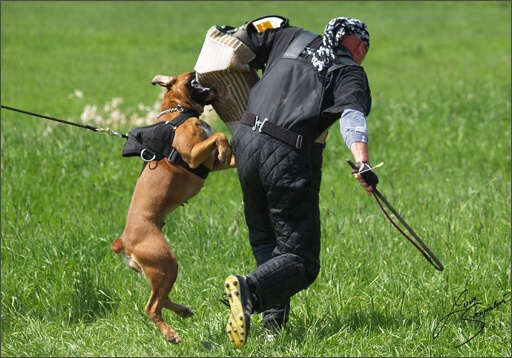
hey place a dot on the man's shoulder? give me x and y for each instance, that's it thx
(289, 32)
(287, 35)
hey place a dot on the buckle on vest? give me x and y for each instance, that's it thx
(258, 124)
(298, 143)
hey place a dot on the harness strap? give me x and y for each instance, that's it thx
(173, 156)
(298, 44)
(182, 117)
(154, 142)
(273, 130)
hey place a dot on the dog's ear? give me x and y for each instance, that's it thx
(164, 81)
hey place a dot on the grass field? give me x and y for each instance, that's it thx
(440, 78)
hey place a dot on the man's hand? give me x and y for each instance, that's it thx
(366, 177)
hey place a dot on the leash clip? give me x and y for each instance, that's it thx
(258, 124)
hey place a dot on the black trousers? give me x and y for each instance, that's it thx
(280, 187)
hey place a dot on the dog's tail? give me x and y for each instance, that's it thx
(117, 246)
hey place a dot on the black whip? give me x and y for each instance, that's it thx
(86, 126)
(424, 249)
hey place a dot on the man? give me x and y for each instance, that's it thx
(309, 81)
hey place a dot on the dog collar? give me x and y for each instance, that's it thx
(179, 108)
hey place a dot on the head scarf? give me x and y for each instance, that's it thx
(334, 32)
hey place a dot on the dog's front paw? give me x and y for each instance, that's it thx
(225, 154)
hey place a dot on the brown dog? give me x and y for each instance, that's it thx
(162, 187)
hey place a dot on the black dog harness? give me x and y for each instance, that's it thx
(154, 142)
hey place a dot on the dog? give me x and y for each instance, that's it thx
(163, 186)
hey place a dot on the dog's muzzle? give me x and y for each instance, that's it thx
(212, 93)
(207, 94)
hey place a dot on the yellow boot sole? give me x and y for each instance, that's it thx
(238, 324)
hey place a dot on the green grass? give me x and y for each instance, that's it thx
(440, 78)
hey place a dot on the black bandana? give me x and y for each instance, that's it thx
(334, 32)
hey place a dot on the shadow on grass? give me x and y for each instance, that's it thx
(371, 321)
(374, 320)
(88, 301)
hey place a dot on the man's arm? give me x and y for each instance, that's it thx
(355, 134)
(360, 153)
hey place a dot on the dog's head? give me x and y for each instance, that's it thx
(185, 90)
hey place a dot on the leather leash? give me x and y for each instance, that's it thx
(86, 126)
(424, 249)
(172, 156)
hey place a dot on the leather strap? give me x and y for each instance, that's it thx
(273, 130)
(175, 158)
(298, 44)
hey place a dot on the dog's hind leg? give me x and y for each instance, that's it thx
(161, 271)
(180, 310)
(159, 300)
(154, 311)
